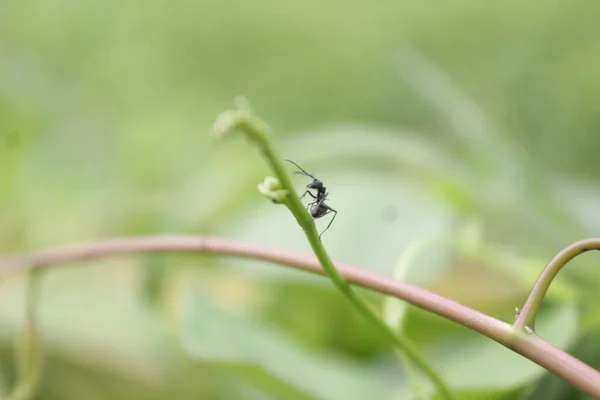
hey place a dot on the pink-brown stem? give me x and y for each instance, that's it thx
(527, 314)
(529, 345)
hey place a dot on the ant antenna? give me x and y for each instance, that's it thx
(301, 169)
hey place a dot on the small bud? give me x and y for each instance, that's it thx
(271, 189)
(240, 118)
(272, 183)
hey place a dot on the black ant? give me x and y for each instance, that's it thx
(317, 208)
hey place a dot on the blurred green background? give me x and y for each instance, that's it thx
(470, 128)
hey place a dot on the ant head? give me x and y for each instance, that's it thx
(315, 184)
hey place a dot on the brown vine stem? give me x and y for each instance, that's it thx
(528, 345)
(526, 316)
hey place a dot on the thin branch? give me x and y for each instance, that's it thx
(526, 316)
(530, 346)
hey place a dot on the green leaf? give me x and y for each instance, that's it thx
(84, 306)
(3, 390)
(486, 365)
(210, 333)
(394, 310)
(489, 394)
(551, 387)
(259, 379)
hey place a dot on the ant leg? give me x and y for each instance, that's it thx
(330, 222)
(311, 195)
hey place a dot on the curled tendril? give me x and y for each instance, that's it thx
(240, 118)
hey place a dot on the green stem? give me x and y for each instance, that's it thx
(28, 349)
(526, 316)
(3, 392)
(259, 132)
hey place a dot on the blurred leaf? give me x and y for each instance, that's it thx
(551, 387)
(3, 391)
(323, 319)
(497, 162)
(258, 378)
(89, 317)
(482, 364)
(476, 366)
(213, 334)
(395, 309)
(469, 124)
(489, 395)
